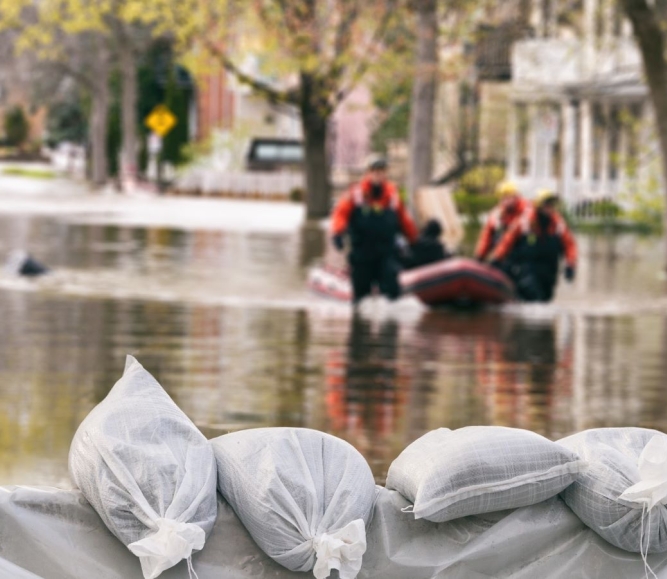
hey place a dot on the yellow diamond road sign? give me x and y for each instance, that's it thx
(161, 120)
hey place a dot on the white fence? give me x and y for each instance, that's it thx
(210, 182)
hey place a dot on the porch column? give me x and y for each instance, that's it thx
(533, 152)
(512, 145)
(604, 164)
(623, 142)
(586, 152)
(568, 151)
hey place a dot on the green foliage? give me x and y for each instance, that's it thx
(66, 122)
(32, 173)
(647, 204)
(395, 115)
(163, 82)
(476, 191)
(16, 127)
(297, 195)
(392, 86)
(194, 150)
(474, 205)
(481, 180)
(114, 126)
(178, 100)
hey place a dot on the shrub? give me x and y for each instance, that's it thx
(16, 126)
(482, 180)
(475, 193)
(297, 195)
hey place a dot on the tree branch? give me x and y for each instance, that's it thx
(366, 63)
(265, 89)
(75, 74)
(343, 33)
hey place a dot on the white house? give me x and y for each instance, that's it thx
(579, 116)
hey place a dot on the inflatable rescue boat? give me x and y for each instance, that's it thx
(456, 281)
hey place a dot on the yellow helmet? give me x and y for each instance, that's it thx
(507, 189)
(544, 195)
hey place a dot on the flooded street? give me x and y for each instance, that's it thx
(224, 322)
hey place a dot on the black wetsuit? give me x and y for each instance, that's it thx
(374, 256)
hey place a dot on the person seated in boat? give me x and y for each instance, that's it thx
(373, 216)
(428, 248)
(502, 217)
(535, 245)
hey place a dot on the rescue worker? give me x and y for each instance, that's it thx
(501, 218)
(428, 248)
(373, 216)
(535, 244)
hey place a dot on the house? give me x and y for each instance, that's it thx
(224, 105)
(472, 106)
(579, 113)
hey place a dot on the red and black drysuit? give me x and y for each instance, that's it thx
(501, 218)
(373, 216)
(535, 245)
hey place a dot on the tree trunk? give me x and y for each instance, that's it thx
(99, 123)
(422, 110)
(128, 69)
(648, 34)
(315, 123)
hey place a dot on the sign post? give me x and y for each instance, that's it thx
(161, 121)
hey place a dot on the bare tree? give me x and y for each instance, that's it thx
(649, 21)
(422, 113)
(329, 46)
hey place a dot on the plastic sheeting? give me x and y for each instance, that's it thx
(54, 534)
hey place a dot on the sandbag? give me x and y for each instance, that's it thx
(448, 474)
(147, 471)
(622, 493)
(304, 496)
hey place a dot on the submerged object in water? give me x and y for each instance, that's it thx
(22, 263)
(457, 281)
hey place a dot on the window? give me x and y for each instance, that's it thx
(279, 152)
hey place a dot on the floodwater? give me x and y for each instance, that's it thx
(223, 321)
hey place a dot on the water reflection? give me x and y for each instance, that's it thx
(366, 390)
(373, 380)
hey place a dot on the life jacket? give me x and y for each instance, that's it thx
(374, 226)
(501, 219)
(497, 226)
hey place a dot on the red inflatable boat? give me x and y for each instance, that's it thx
(457, 281)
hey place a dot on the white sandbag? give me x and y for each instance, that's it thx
(304, 496)
(622, 493)
(447, 474)
(147, 471)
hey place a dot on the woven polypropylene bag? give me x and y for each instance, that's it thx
(304, 496)
(147, 471)
(448, 474)
(599, 497)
